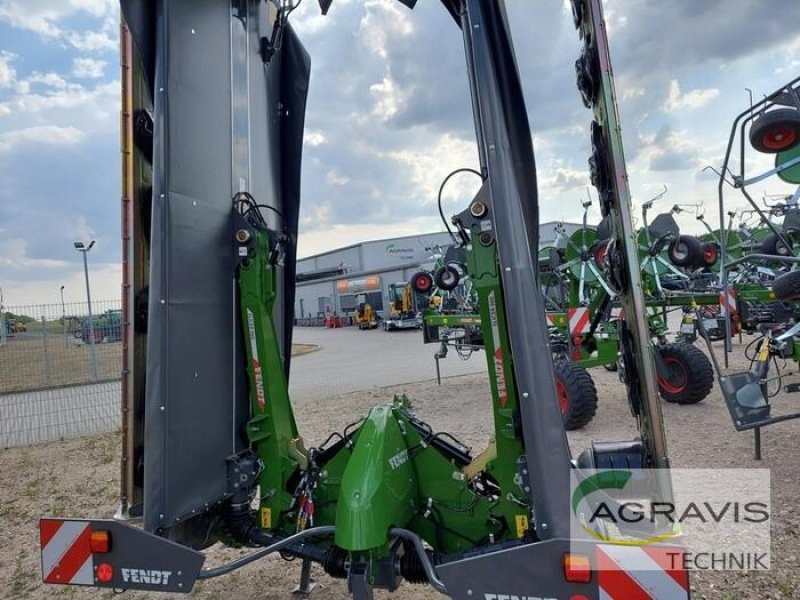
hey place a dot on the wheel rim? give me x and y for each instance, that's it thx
(710, 255)
(779, 138)
(601, 255)
(423, 283)
(677, 378)
(563, 398)
(680, 251)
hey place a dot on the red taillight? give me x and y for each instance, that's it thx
(577, 568)
(578, 597)
(100, 542)
(105, 572)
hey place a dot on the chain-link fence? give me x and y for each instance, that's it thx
(59, 371)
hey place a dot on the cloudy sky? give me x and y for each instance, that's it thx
(388, 118)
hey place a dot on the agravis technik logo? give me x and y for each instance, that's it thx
(720, 516)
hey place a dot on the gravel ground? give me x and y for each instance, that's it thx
(79, 478)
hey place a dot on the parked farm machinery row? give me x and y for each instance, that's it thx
(583, 313)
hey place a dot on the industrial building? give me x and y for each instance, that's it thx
(334, 281)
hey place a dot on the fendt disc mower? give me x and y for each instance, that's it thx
(211, 449)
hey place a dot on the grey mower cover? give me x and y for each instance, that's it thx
(217, 131)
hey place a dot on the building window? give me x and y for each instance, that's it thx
(325, 305)
(348, 303)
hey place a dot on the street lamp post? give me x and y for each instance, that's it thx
(84, 249)
(64, 318)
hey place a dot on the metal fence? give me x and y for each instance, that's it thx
(59, 371)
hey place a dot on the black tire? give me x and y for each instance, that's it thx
(773, 246)
(143, 133)
(710, 253)
(577, 395)
(587, 71)
(787, 286)
(598, 163)
(422, 282)
(447, 278)
(612, 368)
(776, 131)
(685, 374)
(686, 251)
(578, 9)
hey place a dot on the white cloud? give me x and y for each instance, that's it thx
(633, 92)
(43, 17)
(313, 137)
(105, 281)
(381, 21)
(8, 75)
(309, 20)
(94, 41)
(558, 176)
(52, 80)
(50, 98)
(431, 162)
(14, 255)
(88, 68)
(45, 134)
(104, 98)
(335, 178)
(677, 100)
(387, 99)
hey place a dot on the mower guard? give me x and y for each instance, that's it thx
(138, 560)
(135, 559)
(537, 572)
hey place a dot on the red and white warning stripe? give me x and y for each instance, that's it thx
(551, 319)
(727, 301)
(579, 320)
(66, 551)
(641, 573)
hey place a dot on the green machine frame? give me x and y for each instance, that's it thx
(391, 470)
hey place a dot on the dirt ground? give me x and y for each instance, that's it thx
(23, 365)
(80, 478)
(300, 349)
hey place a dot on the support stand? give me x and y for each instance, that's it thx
(307, 584)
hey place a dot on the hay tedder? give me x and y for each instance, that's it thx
(583, 309)
(211, 450)
(760, 259)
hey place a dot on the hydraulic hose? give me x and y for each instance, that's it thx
(291, 544)
(412, 537)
